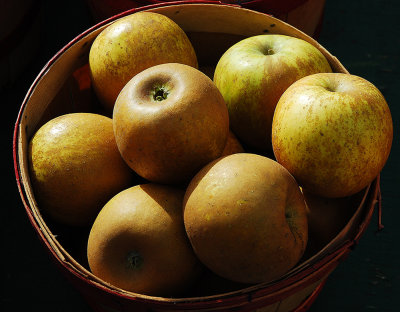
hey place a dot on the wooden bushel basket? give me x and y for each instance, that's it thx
(64, 86)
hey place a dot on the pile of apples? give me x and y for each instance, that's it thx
(178, 176)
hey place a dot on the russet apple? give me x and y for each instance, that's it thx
(132, 44)
(75, 167)
(253, 74)
(169, 121)
(333, 132)
(246, 218)
(138, 242)
(232, 145)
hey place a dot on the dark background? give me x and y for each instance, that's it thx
(364, 35)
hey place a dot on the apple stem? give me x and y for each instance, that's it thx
(135, 260)
(269, 51)
(160, 94)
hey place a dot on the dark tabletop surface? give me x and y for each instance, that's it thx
(364, 35)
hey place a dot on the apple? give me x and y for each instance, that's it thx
(138, 242)
(169, 121)
(333, 132)
(75, 167)
(232, 145)
(246, 218)
(132, 44)
(253, 74)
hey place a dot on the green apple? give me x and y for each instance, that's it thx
(253, 74)
(75, 167)
(132, 44)
(333, 132)
(169, 121)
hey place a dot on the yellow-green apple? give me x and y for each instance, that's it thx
(132, 44)
(246, 218)
(253, 74)
(75, 167)
(138, 242)
(169, 121)
(333, 132)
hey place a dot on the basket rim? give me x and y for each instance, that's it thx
(319, 268)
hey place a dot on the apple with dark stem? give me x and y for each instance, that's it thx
(169, 121)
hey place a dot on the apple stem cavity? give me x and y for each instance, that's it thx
(134, 260)
(269, 51)
(160, 94)
(330, 89)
